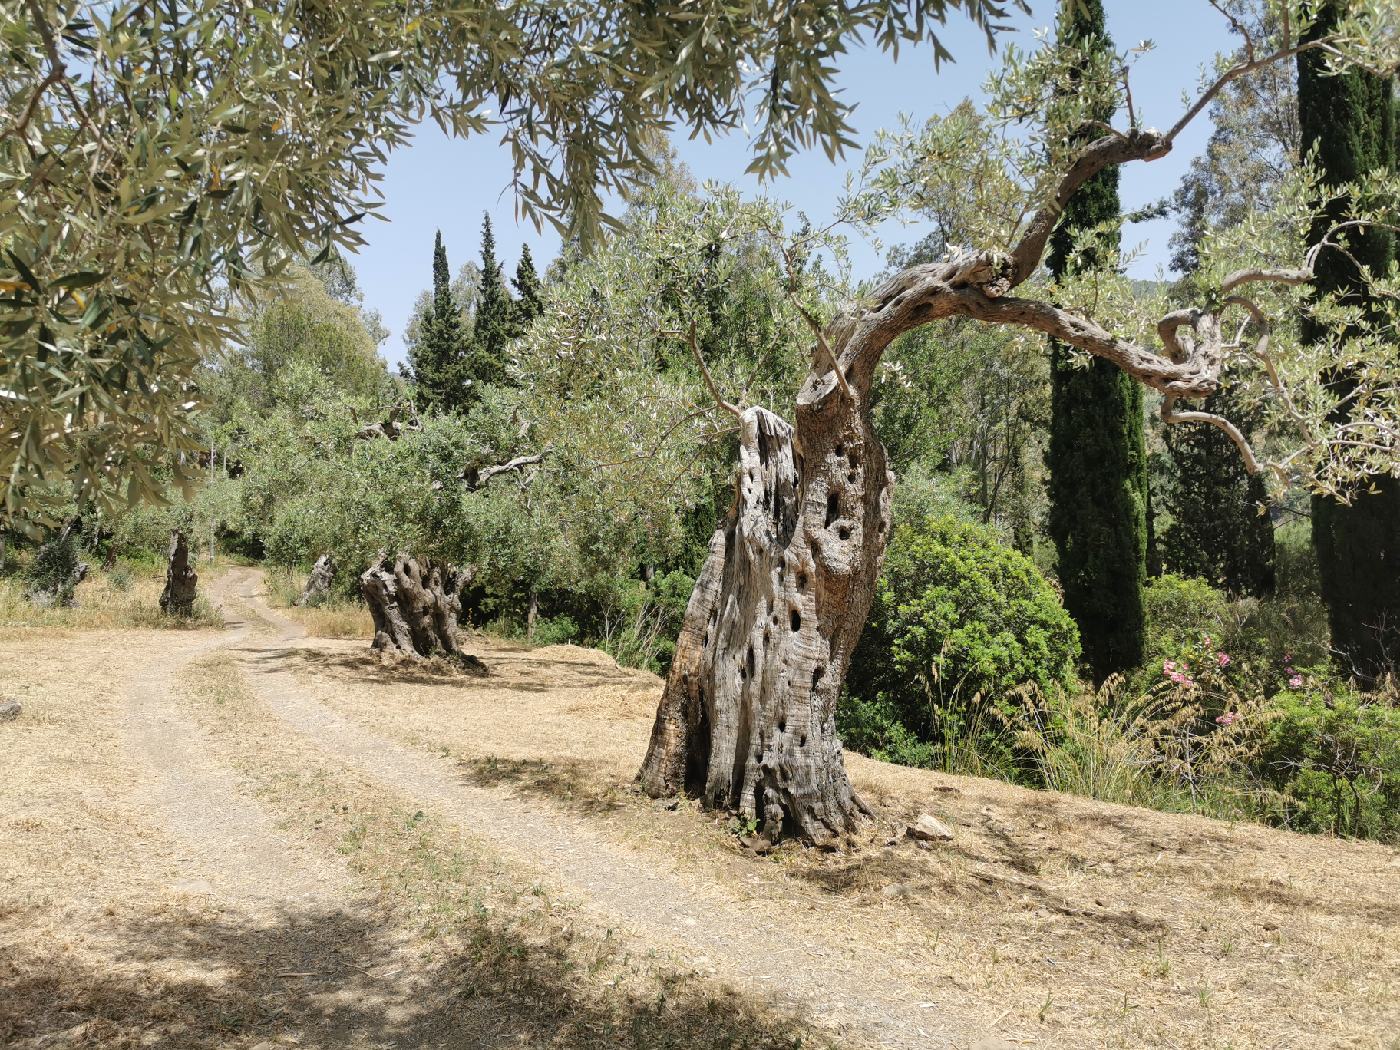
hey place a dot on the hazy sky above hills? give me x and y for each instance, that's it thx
(442, 183)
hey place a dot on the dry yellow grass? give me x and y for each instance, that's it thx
(334, 618)
(104, 601)
(1048, 921)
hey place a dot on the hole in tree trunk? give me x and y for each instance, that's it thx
(833, 508)
(796, 620)
(801, 581)
(844, 532)
(751, 661)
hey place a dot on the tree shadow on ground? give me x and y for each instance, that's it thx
(568, 784)
(976, 866)
(504, 671)
(336, 979)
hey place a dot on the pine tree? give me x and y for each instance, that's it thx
(1350, 120)
(529, 304)
(438, 360)
(492, 331)
(1097, 462)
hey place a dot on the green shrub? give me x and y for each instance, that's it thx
(557, 630)
(1333, 756)
(1180, 612)
(960, 623)
(873, 728)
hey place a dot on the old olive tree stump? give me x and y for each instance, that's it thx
(416, 605)
(180, 579)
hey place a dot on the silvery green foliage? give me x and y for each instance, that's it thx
(158, 161)
(985, 175)
(608, 371)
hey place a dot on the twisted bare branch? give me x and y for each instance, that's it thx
(705, 371)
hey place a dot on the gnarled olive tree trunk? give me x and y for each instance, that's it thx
(416, 605)
(177, 599)
(318, 584)
(747, 720)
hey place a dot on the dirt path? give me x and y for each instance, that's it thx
(621, 886)
(229, 842)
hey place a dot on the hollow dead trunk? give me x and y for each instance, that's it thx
(180, 579)
(747, 720)
(416, 606)
(318, 584)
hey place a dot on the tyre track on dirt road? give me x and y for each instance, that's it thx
(685, 917)
(231, 845)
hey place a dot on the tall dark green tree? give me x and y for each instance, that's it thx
(528, 302)
(1349, 120)
(1098, 466)
(1216, 530)
(494, 324)
(439, 359)
(1220, 530)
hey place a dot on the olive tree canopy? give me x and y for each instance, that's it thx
(159, 161)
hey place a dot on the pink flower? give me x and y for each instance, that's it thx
(1207, 638)
(1296, 682)
(1224, 659)
(1181, 679)
(1229, 718)
(1168, 666)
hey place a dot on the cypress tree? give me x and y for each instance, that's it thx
(438, 361)
(1349, 120)
(528, 304)
(1096, 458)
(1217, 532)
(492, 331)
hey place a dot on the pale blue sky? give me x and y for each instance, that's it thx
(441, 183)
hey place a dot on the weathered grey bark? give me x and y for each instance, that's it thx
(318, 584)
(747, 717)
(177, 599)
(393, 427)
(416, 605)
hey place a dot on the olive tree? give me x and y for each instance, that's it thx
(747, 717)
(160, 161)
